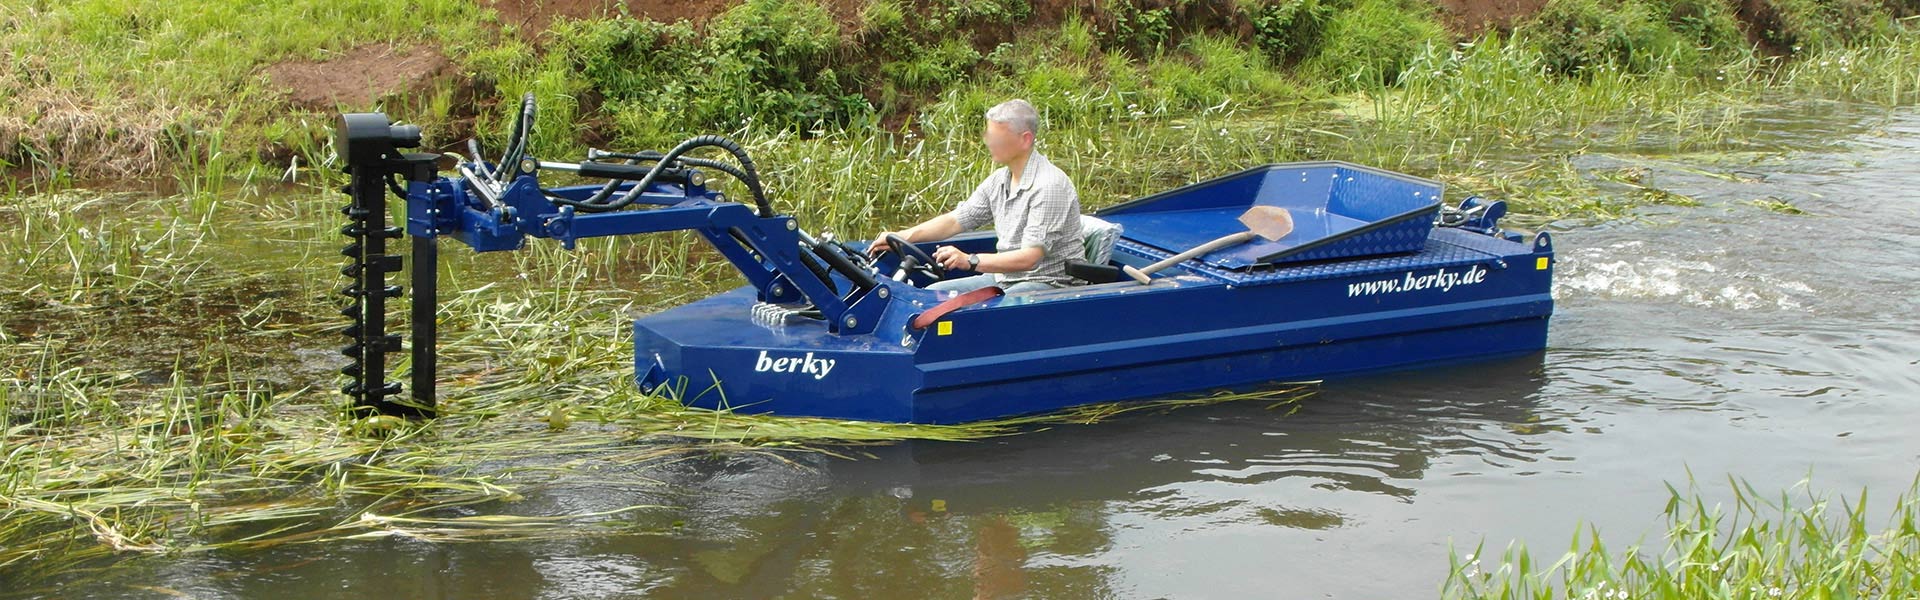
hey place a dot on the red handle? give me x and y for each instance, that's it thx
(933, 315)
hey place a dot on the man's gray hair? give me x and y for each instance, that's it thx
(1018, 115)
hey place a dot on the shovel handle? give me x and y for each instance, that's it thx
(1200, 250)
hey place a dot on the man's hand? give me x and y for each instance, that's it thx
(937, 228)
(951, 258)
(880, 244)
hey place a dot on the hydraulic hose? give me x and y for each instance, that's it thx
(653, 156)
(517, 142)
(599, 203)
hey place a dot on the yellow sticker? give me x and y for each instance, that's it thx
(939, 505)
(1540, 264)
(946, 327)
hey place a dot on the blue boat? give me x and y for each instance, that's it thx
(1376, 275)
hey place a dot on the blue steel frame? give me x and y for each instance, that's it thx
(765, 249)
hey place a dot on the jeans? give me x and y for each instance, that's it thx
(968, 284)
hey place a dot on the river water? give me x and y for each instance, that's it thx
(1702, 342)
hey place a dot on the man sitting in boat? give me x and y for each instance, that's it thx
(1032, 204)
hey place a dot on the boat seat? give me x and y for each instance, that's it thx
(1098, 236)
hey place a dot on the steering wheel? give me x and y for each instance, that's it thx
(912, 258)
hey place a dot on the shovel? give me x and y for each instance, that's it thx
(1266, 222)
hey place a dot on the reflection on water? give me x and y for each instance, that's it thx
(1723, 338)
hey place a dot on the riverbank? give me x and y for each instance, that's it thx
(238, 93)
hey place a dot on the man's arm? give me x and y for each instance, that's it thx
(938, 228)
(970, 214)
(1012, 261)
(945, 226)
(934, 229)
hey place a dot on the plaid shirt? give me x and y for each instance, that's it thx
(1044, 212)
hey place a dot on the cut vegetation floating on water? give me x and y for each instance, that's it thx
(168, 354)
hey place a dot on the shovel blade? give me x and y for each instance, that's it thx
(1268, 222)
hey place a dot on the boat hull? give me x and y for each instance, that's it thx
(1466, 297)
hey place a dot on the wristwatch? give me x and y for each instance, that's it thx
(973, 262)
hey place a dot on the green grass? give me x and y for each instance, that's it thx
(1577, 37)
(1796, 545)
(1873, 73)
(132, 88)
(1369, 44)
